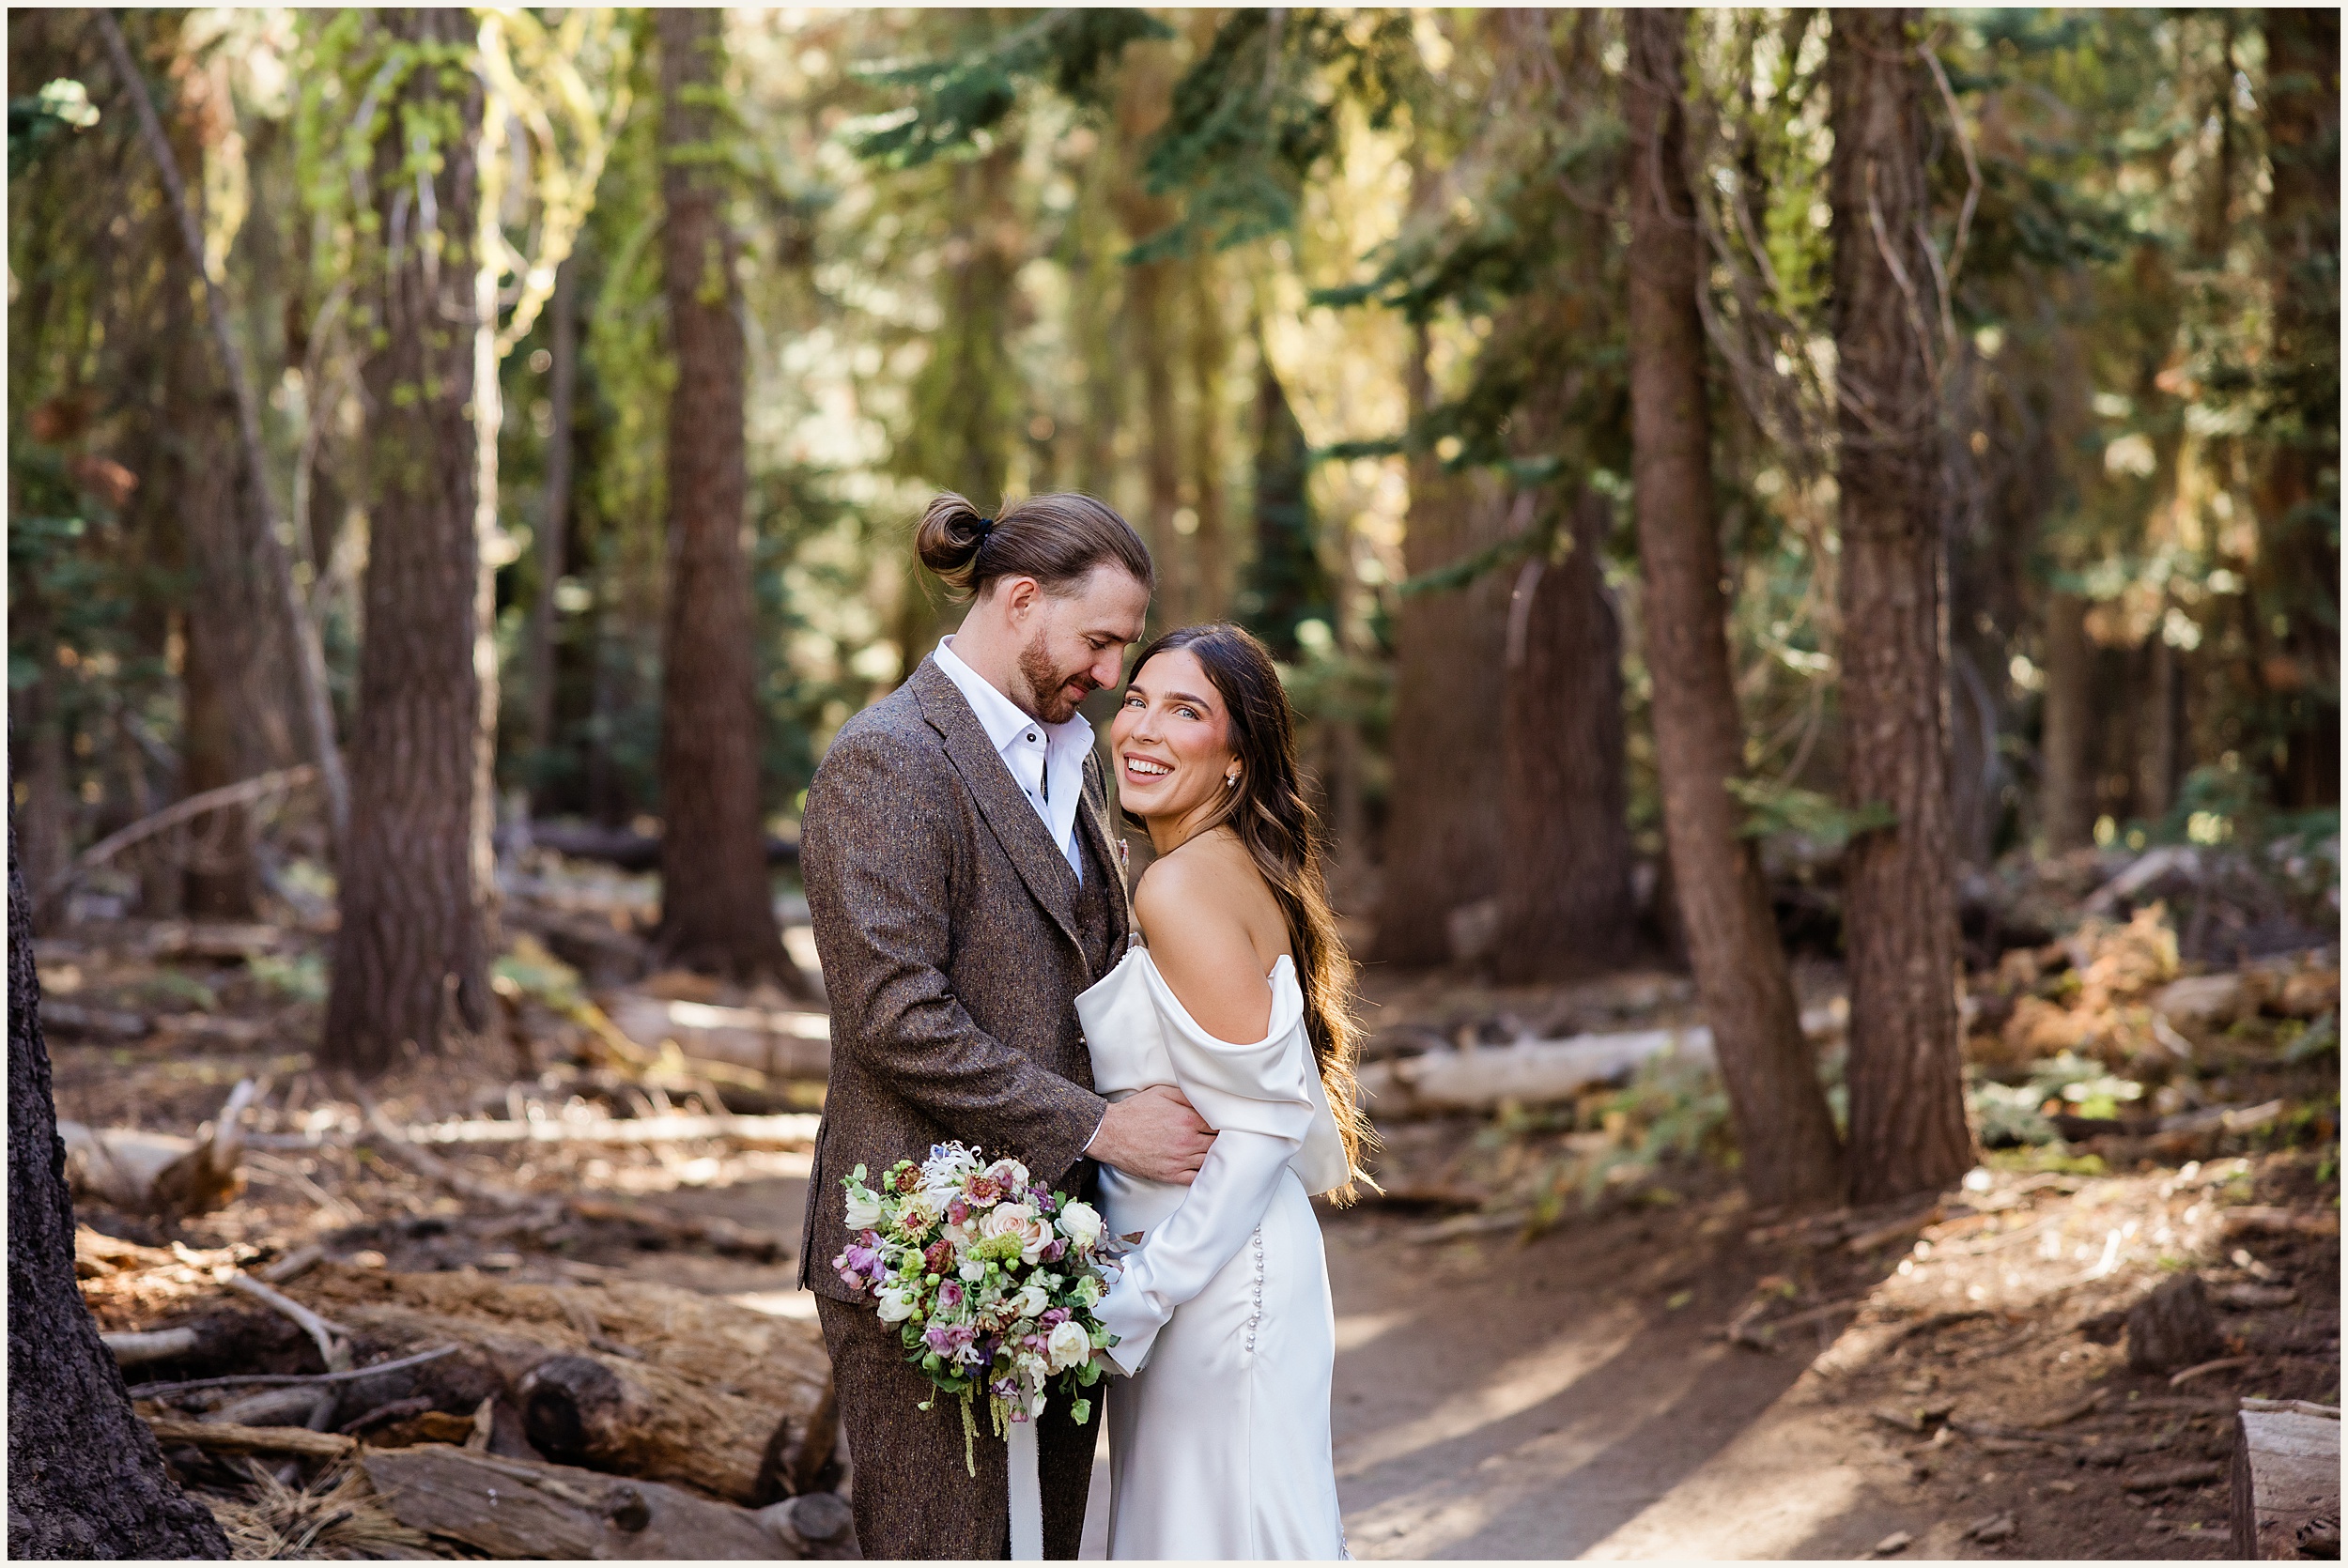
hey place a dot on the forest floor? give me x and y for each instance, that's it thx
(1560, 1334)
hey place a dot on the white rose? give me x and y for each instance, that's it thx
(1082, 1224)
(1069, 1345)
(1031, 1301)
(864, 1211)
(1020, 1220)
(894, 1307)
(973, 1272)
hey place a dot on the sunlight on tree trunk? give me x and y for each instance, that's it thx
(412, 956)
(1908, 1129)
(1782, 1126)
(716, 907)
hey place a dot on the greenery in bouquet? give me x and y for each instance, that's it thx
(991, 1279)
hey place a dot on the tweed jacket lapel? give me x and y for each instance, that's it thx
(1093, 821)
(1042, 865)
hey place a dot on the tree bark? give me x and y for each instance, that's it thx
(1565, 880)
(1442, 833)
(555, 515)
(85, 1478)
(1146, 287)
(2066, 727)
(411, 956)
(1908, 1129)
(1783, 1124)
(1210, 352)
(268, 550)
(1150, 308)
(2299, 554)
(717, 908)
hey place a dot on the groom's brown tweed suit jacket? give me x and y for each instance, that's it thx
(954, 939)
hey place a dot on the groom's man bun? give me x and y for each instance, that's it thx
(1056, 539)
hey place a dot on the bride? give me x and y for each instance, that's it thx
(1219, 1435)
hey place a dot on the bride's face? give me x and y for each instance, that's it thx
(1171, 740)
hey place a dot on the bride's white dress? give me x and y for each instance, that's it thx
(1219, 1440)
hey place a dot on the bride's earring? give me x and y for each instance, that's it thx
(1230, 781)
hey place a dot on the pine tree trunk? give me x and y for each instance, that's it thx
(412, 956)
(1908, 1129)
(1783, 1124)
(2066, 743)
(716, 910)
(1210, 351)
(2163, 729)
(1442, 833)
(84, 1479)
(1147, 318)
(230, 709)
(2298, 508)
(1564, 879)
(555, 519)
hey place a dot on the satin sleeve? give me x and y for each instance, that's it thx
(1174, 1263)
(1259, 1100)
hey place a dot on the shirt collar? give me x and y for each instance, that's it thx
(1001, 718)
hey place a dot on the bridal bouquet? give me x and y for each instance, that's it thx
(993, 1279)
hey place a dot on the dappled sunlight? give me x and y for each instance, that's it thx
(1451, 1509)
(1533, 1378)
(1356, 1329)
(1765, 1495)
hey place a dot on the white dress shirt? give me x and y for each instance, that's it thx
(1046, 760)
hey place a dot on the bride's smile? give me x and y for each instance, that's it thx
(1171, 739)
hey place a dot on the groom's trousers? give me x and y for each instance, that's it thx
(914, 1496)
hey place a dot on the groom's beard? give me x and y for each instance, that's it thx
(1055, 691)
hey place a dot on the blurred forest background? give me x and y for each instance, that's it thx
(407, 510)
(1805, 543)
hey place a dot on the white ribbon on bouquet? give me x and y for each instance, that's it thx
(1027, 1495)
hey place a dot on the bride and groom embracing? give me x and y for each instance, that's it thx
(988, 986)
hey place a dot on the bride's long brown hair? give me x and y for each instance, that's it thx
(1268, 810)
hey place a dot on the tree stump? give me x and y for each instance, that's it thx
(2285, 1482)
(2173, 1326)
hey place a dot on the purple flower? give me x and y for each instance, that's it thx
(948, 1338)
(1056, 1249)
(1055, 1317)
(957, 1212)
(950, 1294)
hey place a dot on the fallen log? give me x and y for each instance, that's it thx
(777, 1043)
(160, 1174)
(791, 1130)
(2261, 1220)
(229, 1437)
(1534, 1072)
(2285, 1477)
(513, 1508)
(2192, 1474)
(625, 848)
(160, 1344)
(644, 1379)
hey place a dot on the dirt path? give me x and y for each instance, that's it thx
(1493, 1401)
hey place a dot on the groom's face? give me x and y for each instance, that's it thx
(1076, 641)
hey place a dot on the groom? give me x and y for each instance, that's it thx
(963, 888)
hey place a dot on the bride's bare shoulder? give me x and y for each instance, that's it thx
(1209, 881)
(1202, 910)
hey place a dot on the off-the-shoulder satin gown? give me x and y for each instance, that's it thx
(1219, 1439)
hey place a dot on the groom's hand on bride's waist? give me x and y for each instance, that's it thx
(1154, 1135)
